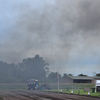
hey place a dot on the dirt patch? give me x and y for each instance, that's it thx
(1, 98)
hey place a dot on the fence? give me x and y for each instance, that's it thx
(71, 86)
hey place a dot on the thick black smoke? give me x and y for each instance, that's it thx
(62, 33)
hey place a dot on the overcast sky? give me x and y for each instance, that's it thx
(64, 32)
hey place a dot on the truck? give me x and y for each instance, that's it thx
(33, 84)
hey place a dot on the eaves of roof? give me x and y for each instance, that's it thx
(81, 77)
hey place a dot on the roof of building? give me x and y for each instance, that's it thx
(81, 77)
(97, 77)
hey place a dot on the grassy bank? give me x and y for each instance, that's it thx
(77, 91)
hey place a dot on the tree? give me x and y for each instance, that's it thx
(82, 75)
(70, 74)
(65, 74)
(29, 68)
(53, 77)
(6, 72)
(97, 74)
(33, 68)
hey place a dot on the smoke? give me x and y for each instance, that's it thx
(62, 32)
(88, 20)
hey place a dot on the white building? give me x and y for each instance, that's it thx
(97, 85)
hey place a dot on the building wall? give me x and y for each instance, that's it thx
(66, 80)
(70, 80)
(94, 80)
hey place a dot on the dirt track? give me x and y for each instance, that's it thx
(40, 95)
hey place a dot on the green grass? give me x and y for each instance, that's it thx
(72, 85)
(13, 86)
(77, 91)
(79, 88)
(23, 86)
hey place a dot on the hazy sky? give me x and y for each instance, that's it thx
(64, 32)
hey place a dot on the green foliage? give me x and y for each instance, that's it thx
(52, 78)
(82, 75)
(97, 74)
(70, 74)
(13, 86)
(70, 85)
(77, 91)
(65, 74)
(29, 68)
(33, 68)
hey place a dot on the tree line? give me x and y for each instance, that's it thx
(53, 76)
(30, 68)
(34, 68)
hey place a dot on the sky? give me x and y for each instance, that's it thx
(64, 32)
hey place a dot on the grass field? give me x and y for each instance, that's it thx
(76, 87)
(17, 86)
(72, 85)
(13, 86)
(76, 91)
(66, 88)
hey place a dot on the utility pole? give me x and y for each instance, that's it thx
(58, 78)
